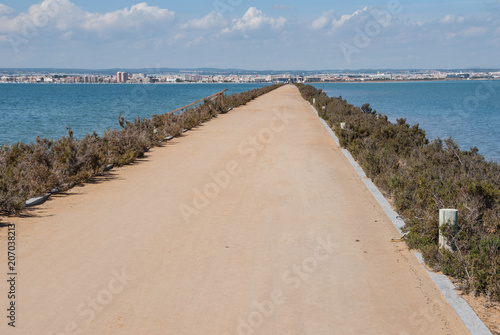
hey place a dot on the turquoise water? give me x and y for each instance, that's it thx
(29, 110)
(468, 111)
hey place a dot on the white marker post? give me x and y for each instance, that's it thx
(447, 216)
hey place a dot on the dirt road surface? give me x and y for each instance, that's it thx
(253, 223)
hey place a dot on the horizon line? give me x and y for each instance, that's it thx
(248, 70)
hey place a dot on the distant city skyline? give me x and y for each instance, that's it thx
(251, 35)
(62, 77)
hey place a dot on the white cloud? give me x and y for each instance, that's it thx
(178, 37)
(469, 32)
(58, 14)
(323, 20)
(212, 20)
(345, 18)
(255, 19)
(5, 10)
(328, 20)
(475, 31)
(135, 17)
(194, 42)
(450, 18)
(64, 15)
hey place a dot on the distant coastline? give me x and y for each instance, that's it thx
(396, 81)
(270, 77)
(256, 82)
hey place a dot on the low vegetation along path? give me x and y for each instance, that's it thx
(253, 223)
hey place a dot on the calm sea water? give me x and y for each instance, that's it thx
(29, 110)
(468, 111)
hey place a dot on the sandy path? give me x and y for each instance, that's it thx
(289, 242)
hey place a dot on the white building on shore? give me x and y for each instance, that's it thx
(121, 77)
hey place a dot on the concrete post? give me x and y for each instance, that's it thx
(447, 216)
(343, 125)
(314, 101)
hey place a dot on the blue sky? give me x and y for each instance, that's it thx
(258, 35)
